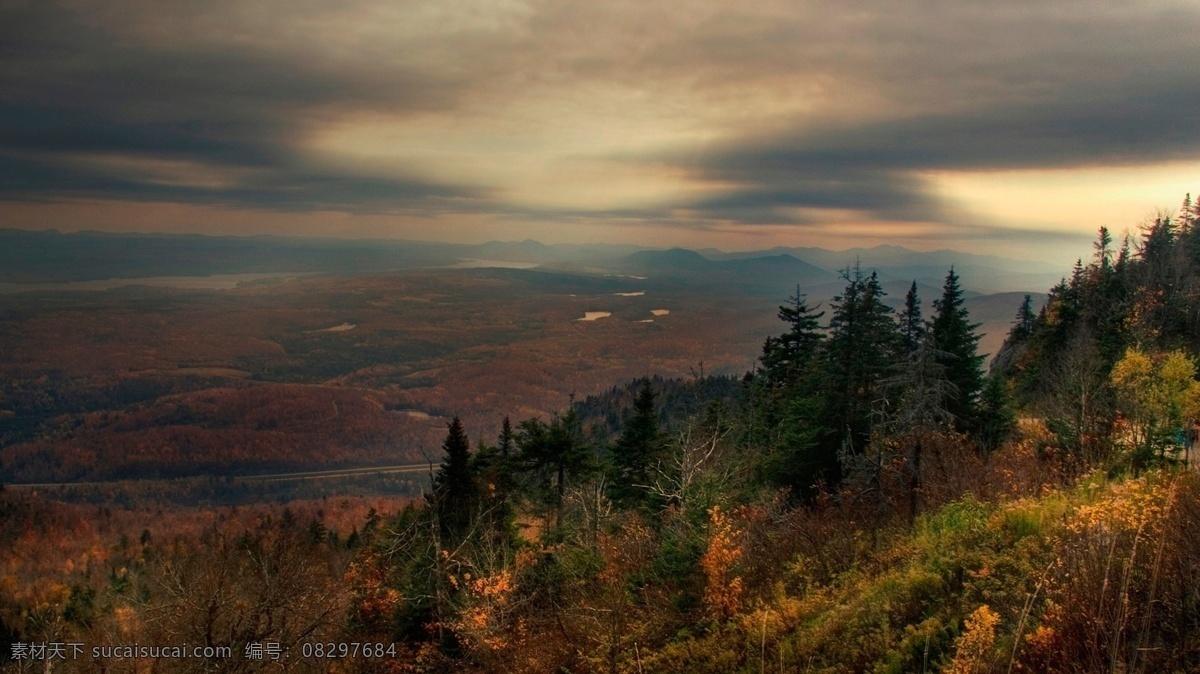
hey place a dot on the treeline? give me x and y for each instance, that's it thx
(220, 431)
(1109, 362)
(603, 415)
(832, 402)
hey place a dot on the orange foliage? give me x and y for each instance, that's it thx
(484, 621)
(723, 591)
(974, 647)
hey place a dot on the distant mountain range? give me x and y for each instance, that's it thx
(52, 256)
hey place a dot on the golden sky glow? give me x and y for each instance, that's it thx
(1016, 127)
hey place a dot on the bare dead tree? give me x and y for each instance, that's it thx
(700, 453)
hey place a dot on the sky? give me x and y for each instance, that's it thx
(1007, 127)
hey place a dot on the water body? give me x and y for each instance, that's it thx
(594, 315)
(660, 312)
(471, 263)
(338, 328)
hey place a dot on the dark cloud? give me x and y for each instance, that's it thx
(69, 90)
(872, 167)
(282, 189)
(812, 105)
(1129, 126)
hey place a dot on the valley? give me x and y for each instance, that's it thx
(283, 373)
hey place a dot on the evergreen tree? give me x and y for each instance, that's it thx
(786, 356)
(1103, 247)
(1157, 242)
(804, 451)
(921, 389)
(507, 443)
(1016, 344)
(454, 484)
(954, 334)
(862, 347)
(495, 465)
(495, 468)
(912, 328)
(1023, 326)
(787, 403)
(638, 448)
(997, 419)
(552, 455)
(1160, 297)
(1124, 255)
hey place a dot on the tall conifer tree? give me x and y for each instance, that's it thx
(912, 328)
(637, 449)
(786, 356)
(552, 455)
(954, 334)
(863, 345)
(454, 484)
(788, 403)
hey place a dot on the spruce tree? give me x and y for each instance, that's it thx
(1023, 327)
(495, 466)
(454, 484)
(863, 346)
(787, 401)
(552, 455)
(1124, 256)
(1103, 248)
(785, 357)
(637, 449)
(954, 334)
(507, 439)
(996, 418)
(912, 328)
(919, 389)
(495, 470)
(1016, 344)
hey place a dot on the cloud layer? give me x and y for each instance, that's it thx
(700, 114)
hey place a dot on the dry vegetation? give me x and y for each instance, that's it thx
(1012, 565)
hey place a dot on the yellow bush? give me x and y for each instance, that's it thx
(973, 650)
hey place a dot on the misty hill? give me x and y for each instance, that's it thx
(671, 262)
(536, 251)
(49, 256)
(986, 273)
(891, 256)
(817, 269)
(523, 251)
(52, 256)
(770, 274)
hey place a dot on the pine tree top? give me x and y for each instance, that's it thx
(952, 317)
(456, 438)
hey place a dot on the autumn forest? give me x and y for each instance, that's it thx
(572, 469)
